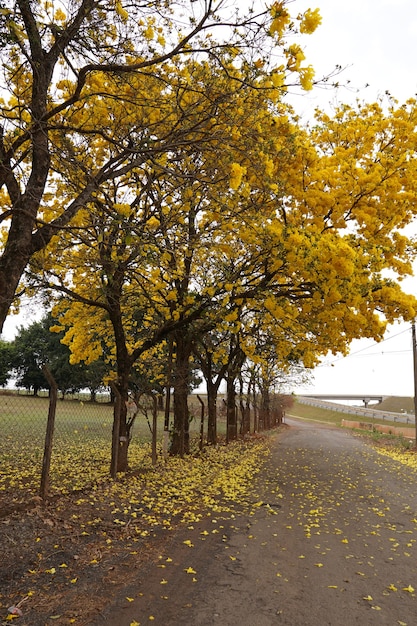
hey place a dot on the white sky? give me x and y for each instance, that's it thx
(376, 41)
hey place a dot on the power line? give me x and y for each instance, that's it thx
(383, 352)
(353, 354)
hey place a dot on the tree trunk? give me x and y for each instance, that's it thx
(121, 430)
(181, 370)
(266, 408)
(245, 417)
(47, 455)
(255, 411)
(212, 389)
(231, 413)
(213, 381)
(154, 429)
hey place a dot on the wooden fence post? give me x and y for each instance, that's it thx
(154, 428)
(49, 436)
(201, 422)
(116, 430)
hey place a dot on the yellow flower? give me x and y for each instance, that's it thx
(311, 19)
(60, 16)
(236, 174)
(281, 19)
(121, 11)
(152, 222)
(306, 77)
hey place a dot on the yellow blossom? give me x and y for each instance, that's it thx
(311, 20)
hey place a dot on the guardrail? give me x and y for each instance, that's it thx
(354, 410)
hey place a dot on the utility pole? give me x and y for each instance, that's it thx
(413, 331)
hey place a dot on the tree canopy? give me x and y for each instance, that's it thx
(65, 66)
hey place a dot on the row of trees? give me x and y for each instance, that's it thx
(167, 201)
(21, 362)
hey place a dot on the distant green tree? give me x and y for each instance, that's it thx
(5, 362)
(29, 350)
(36, 345)
(68, 377)
(93, 375)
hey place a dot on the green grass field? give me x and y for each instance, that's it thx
(81, 446)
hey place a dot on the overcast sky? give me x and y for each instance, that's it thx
(376, 41)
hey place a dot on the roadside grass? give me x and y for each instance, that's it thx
(396, 404)
(315, 413)
(331, 416)
(389, 441)
(67, 557)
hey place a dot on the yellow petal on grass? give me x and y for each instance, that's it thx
(190, 570)
(368, 598)
(392, 588)
(130, 599)
(318, 564)
(410, 589)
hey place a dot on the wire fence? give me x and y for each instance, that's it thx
(81, 447)
(81, 444)
(82, 439)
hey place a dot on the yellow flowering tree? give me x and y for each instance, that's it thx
(133, 260)
(56, 57)
(267, 226)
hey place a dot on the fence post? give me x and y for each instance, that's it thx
(154, 428)
(201, 422)
(116, 431)
(49, 436)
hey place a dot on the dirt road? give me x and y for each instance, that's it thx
(332, 541)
